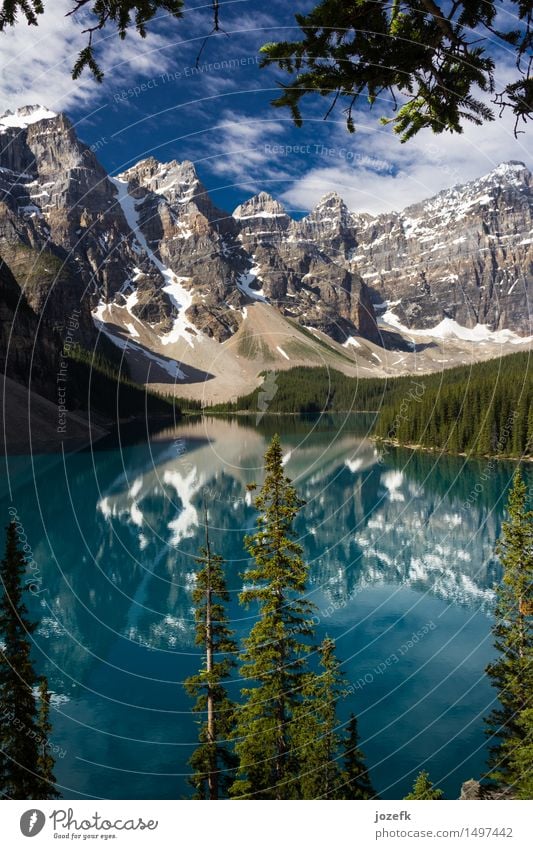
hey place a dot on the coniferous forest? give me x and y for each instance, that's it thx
(482, 409)
(486, 409)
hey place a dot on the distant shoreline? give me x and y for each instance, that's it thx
(528, 458)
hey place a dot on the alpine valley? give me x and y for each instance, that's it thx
(200, 301)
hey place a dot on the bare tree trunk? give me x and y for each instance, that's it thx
(212, 775)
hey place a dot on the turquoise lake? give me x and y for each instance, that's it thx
(399, 544)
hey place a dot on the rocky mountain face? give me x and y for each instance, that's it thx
(152, 243)
(61, 232)
(466, 254)
(303, 266)
(25, 347)
(184, 236)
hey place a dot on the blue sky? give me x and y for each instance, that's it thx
(154, 102)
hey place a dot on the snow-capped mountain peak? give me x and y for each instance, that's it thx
(151, 248)
(330, 200)
(506, 169)
(261, 205)
(24, 116)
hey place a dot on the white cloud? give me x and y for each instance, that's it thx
(401, 174)
(371, 170)
(36, 62)
(375, 173)
(241, 144)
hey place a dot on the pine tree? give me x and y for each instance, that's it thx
(512, 672)
(418, 51)
(45, 760)
(318, 738)
(522, 757)
(19, 777)
(275, 652)
(423, 788)
(356, 782)
(213, 762)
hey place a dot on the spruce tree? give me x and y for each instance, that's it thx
(213, 761)
(419, 52)
(512, 672)
(522, 757)
(356, 782)
(19, 775)
(274, 656)
(318, 738)
(423, 788)
(45, 760)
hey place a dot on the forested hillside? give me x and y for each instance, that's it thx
(315, 390)
(485, 408)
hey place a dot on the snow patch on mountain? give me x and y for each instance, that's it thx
(351, 340)
(100, 321)
(244, 284)
(180, 297)
(25, 116)
(450, 329)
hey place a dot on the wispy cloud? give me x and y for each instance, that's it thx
(219, 115)
(237, 149)
(36, 62)
(375, 173)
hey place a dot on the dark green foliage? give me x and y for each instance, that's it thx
(213, 761)
(45, 760)
(11, 8)
(312, 390)
(431, 63)
(318, 738)
(98, 385)
(486, 408)
(287, 743)
(355, 779)
(18, 710)
(510, 724)
(423, 788)
(332, 766)
(482, 409)
(521, 758)
(274, 656)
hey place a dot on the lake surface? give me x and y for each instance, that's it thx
(395, 550)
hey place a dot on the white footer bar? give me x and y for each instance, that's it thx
(267, 825)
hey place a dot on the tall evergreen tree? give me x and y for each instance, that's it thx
(274, 657)
(213, 761)
(318, 737)
(522, 757)
(45, 760)
(19, 776)
(512, 672)
(356, 782)
(423, 788)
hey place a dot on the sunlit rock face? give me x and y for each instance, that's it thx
(466, 254)
(153, 245)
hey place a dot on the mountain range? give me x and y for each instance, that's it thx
(200, 302)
